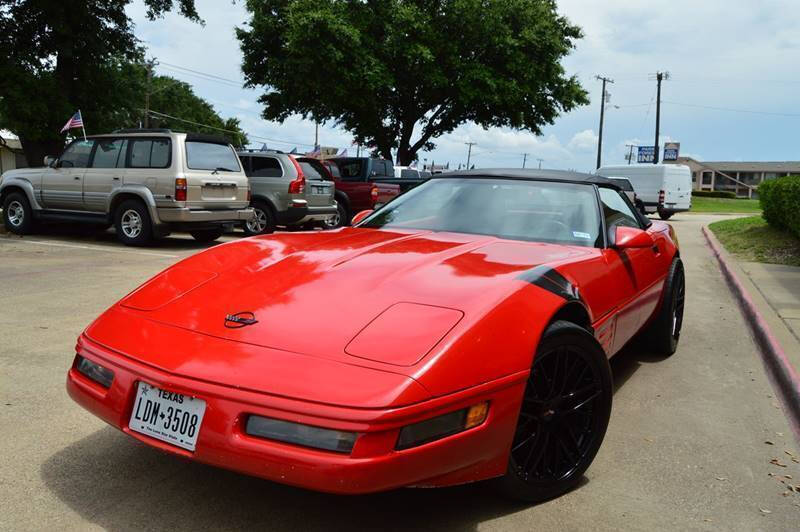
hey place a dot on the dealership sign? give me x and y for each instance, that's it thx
(646, 154)
(671, 150)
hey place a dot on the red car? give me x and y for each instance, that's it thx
(460, 333)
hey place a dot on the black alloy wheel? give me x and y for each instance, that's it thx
(563, 417)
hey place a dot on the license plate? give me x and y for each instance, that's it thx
(319, 190)
(167, 416)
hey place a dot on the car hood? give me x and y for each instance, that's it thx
(312, 293)
(22, 173)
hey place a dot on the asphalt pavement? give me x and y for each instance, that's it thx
(696, 441)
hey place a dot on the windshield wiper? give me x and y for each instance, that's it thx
(221, 168)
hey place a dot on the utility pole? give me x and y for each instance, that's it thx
(149, 66)
(524, 158)
(316, 135)
(630, 151)
(540, 163)
(660, 76)
(602, 112)
(469, 151)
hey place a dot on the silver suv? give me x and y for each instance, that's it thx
(286, 191)
(145, 182)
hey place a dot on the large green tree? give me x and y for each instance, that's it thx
(399, 73)
(57, 56)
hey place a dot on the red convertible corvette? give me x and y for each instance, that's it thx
(460, 333)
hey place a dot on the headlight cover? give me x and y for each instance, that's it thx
(99, 374)
(299, 434)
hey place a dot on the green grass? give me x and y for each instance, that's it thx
(751, 239)
(700, 204)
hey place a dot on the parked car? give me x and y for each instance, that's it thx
(146, 183)
(663, 188)
(407, 172)
(462, 332)
(626, 187)
(358, 185)
(286, 191)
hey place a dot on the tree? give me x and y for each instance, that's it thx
(387, 69)
(62, 55)
(172, 98)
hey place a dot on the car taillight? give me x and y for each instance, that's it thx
(661, 197)
(180, 189)
(374, 193)
(299, 184)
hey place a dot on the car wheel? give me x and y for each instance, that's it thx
(640, 206)
(207, 235)
(262, 223)
(563, 417)
(665, 215)
(664, 332)
(338, 219)
(17, 214)
(132, 223)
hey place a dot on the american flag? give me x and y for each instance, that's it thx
(75, 121)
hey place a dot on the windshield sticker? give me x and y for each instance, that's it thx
(578, 234)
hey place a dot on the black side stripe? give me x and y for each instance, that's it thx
(549, 279)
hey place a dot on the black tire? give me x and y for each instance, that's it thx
(563, 417)
(664, 332)
(264, 221)
(129, 215)
(341, 219)
(207, 235)
(17, 214)
(641, 208)
(665, 215)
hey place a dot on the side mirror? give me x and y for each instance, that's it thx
(49, 160)
(360, 216)
(632, 238)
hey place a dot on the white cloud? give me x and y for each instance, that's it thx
(585, 140)
(724, 54)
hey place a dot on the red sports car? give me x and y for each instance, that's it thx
(461, 332)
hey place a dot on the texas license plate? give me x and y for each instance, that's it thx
(167, 416)
(319, 190)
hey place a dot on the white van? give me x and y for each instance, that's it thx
(662, 188)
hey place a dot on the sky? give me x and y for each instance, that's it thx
(732, 92)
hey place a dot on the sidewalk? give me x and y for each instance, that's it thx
(780, 286)
(769, 295)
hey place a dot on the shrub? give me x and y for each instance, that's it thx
(714, 194)
(780, 203)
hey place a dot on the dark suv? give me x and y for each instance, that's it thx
(359, 185)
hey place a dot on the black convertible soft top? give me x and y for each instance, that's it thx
(563, 176)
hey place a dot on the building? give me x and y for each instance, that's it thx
(739, 177)
(11, 156)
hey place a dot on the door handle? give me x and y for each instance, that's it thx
(77, 178)
(116, 179)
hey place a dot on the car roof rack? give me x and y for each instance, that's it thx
(141, 130)
(256, 152)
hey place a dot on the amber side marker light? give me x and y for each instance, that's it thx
(442, 426)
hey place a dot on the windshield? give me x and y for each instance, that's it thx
(563, 213)
(210, 156)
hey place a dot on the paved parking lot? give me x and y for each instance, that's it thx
(686, 448)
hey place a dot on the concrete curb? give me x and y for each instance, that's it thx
(784, 376)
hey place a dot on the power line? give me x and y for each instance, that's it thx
(220, 78)
(771, 113)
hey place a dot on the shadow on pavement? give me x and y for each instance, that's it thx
(118, 483)
(625, 363)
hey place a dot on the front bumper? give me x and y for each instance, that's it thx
(373, 465)
(188, 216)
